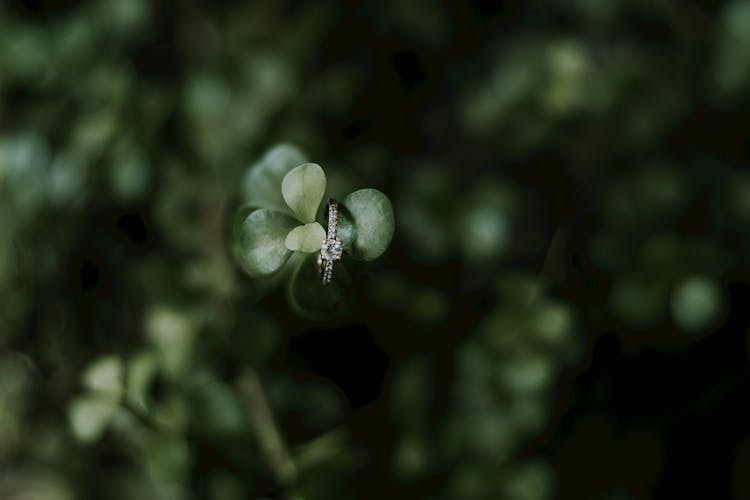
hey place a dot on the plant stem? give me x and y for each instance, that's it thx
(271, 443)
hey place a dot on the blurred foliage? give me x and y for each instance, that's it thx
(559, 170)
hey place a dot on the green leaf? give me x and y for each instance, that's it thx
(262, 183)
(172, 332)
(262, 249)
(303, 189)
(483, 224)
(90, 415)
(216, 408)
(696, 304)
(638, 300)
(345, 230)
(171, 413)
(307, 238)
(310, 299)
(166, 457)
(105, 376)
(372, 217)
(142, 369)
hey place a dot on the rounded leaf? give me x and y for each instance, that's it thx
(262, 249)
(309, 298)
(303, 189)
(105, 375)
(262, 183)
(307, 238)
(372, 217)
(90, 415)
(345, 230)
(172, 332)
(142, 369)
(216, 408)
(696, 304)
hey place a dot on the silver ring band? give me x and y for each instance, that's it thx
(331, 250)
(333, 218)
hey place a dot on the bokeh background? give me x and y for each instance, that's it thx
(563, 312)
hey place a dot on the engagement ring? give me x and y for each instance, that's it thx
(331, 249)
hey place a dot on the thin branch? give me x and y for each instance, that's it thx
(271, 443)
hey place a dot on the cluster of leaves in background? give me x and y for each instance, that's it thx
(126, 331)
(121, 323)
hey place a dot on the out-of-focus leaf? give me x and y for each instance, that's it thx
(412, 393)
(167, 458)
(16, 372)
(105, 376)
(484, 226)
(425, 211)
(262, 241)
(552, 323)
(320, 406)
(208, 101)
(526, 372)
(303, 189)
(528, 481)
(26, 50)
(225, 486)
(568, 72)
(262, 183)
(172, 414)
(696, 304)
(172, 332)
(731, 68)
(638, 301)
(141, 371)
(372, 217)
(411, 457)
(34, 484)
(89, 416)
(309, 298)
(130, 172)
(737, 200)
(216, 408)
(24, 161)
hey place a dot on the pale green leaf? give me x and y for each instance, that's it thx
(696, 304)
(172, 331)
(484, 227)
(371, 215)
(90, 415)
(303, 189)
(142, 369)
(105, 376)
(307, 238)
(262, 235)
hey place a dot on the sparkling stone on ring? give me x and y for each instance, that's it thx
(331, 249)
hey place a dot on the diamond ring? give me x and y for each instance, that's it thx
(331, 250)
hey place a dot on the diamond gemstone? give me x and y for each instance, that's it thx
(331, 249)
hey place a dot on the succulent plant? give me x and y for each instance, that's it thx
(277, 233)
